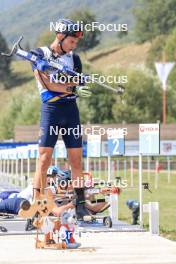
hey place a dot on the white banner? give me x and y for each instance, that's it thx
(149, 139)
(94, 145)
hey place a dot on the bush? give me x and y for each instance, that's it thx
(5, 62)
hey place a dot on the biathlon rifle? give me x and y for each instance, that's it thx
(48, 64)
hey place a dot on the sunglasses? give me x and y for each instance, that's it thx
(76, 34)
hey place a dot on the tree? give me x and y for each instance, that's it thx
(142, 100)
(170, 51)
(154, 18)
(170, 46)
(155, 52)
(100, 105)
(5, 71)
(122, 34)
(20, 110)
(91, 38)
(45, 38)
(8, 121)
(30, 113)
(164, 44)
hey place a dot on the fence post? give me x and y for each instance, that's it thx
(154, 218)
(125, 168)
(156, 174)
(16, 172)
(109, 168)
(132, 172)
(168, 169)
(8, 171)
(113, 210)
(99, 168)
(118, 168)
(148, 168)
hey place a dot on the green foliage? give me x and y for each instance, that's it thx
(171, 100)
(142, 100)
(100, 105)
(21, 110)
(162, 45)
(154, 18)
(156, 51)
(4, 64)
(85, 113)
(170, 46)
(7, 122)
(98, 108)
(122, 34)
(91, 38)
(30, 111)
(165, 45)
(45, 39)
(170, 51)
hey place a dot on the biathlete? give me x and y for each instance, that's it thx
(59, 110)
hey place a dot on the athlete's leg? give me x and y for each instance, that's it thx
(73, 142)
(75, 160)
(5, 195)
(97, 207)
(47, 141)
(57, 211)
(11, 206)
(45, 156)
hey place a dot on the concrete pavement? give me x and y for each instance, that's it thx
(109, 248)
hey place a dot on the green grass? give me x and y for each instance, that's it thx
(165, 194)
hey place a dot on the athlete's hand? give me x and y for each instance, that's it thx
(83, 91)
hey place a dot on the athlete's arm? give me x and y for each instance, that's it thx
(55, 87)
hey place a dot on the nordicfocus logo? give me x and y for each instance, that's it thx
(81, 130)
(122, 184)
(90, 27)
(93, 78)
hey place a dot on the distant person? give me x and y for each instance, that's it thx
(133, 205)
(12, 205)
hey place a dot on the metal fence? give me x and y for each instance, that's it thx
(17, 166)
